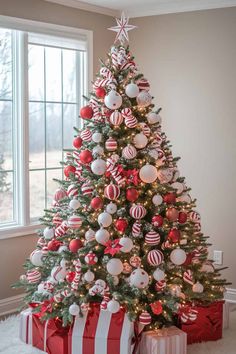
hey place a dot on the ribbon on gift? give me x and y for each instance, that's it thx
(137, 336)
(26, 326)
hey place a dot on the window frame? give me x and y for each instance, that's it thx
(20, 27)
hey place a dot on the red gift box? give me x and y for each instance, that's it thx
(208, 325)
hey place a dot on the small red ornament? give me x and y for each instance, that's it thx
(132, 194)
(100, 92)
(156, 307)
(86, 156)
(69, 170)
(70, 276)
(86, 112)
(174, 235)
(77, 142)
(75, 245)
(157, 220)
(182, 217)
(172, 214)
(169, 198)
(96, 203)
(53, 245)
(121, 225)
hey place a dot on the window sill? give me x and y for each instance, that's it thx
(17, 231)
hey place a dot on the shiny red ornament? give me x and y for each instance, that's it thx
(121, 225)
(69, 170)
(172, 214)
(182, 217)
(70, 277)
(174, 235)
(156, 307)
(100, 92)
(86, 156)
(169, 198)
(132, 194)
(75, 245)
(53, 245)
(96, 203)
(77, 142)
(86, 112)
(157, 220)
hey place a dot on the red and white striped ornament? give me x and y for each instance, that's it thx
(33, 276)
(42, 242)
(126, 112)
(76, 156)
(114, 60)
(187, 314)
(105, 72)
(79, 172)
(66, 293)
(57, 220)
(106, 299)
(166, 245)
(112, 192)
(117, 175)
(86, 135)
(188, 277)
(145, 318)
(160, 285)
(78, 272)
(74, 222)
(57, 297)
(111, 144)
(116, 118)
(194, 216)
(72, 191)
(61, 230)
(131, 122)
(48, 286)
(152, 238)
(59, 194)
(109, 82)
(136, 229)
(137, 211)
(130, 65)
(145, 129)
(87, 188)
(93, 103)
(155, 257)
(111, 162)
(129, 152)
(143, 84)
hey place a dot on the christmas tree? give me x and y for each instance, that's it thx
(122, 230)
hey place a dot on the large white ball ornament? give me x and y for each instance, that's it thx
(178, 256)
(102, 236)
(132, 90)
(90, 235)
(105, 219)
(114, 266)
(111, 208)
(97, 137)
(98, 167)
(157, 199)
(98, 150)
(36, 258)
(74, 204)
(159, 274)
(113, 306)
(153, 118)
(74, 309)
(144, 99)
(198, 288)
(148, 173)
(140, 141)
(139, 278)
(89, 276)
(113, 100)
(48, 233)
(126, 243)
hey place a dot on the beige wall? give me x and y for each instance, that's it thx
(190, 61)
(14, 251)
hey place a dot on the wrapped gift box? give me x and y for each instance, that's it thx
(226, 310)
(163, 341)
(101, 332)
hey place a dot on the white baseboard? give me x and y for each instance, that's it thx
(10, 304)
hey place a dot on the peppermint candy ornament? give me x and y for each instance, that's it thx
(126, 112)
(137, 211)
(143, 84)
(152, 238)
(59, 194)
(62, 229)
(72, 191)
(145, 129)
(136, 229)
(194, 216)
(112, 192)
(116, 118)
(86, 135)
(129, 152)
(74, 222)
(33, 276)
(91, 258)
(188, 277)
(155, 257)
(111, 144)
(131, 121)
(87, 188)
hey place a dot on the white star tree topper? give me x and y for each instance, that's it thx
(122, 29)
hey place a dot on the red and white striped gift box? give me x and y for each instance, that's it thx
(26, 326)
(101, 332)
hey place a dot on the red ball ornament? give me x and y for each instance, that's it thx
(77, 142)
(53, 245)
(132, 194)
(157, 220)
(70, 277)
(86, 112)
(96, 203)
(100, 92)
(121, 225)
(75, 245)
(182, 217)
(172, 214)
(86, 156)
(156, 307)
(174, 235)
(69, 170)
(169, 198)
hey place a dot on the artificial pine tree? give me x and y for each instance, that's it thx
(122, 230)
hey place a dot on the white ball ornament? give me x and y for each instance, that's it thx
(148, 173)
(178, 256)
(113, 306)
(129, 152)
(48, 233)
(159, 274)
(114, 266)
(111, 208)
(90, 235)
(74, 204)
(113, 100)
(102, 236)
(105, 219)
(178, 186)
(89, 276)
(139, 278)
(198, 288)
(36, 258)
(98, 150)
(74, 309)
(144, 99)
(153, 118)
(98, 167)
(140, 141)
(62, 249)
(126, 243)
(157, 199)
(97, 137)
(132, 90)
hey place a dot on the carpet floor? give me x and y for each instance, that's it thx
(11, 344)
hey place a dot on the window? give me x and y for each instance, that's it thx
(43, 77)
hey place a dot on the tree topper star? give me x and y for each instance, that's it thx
(122, 29)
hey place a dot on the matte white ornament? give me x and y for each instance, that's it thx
(62, 249)
(144, 99)
(105, 219)
(178, 256)
(140, 141)
(113, 100)
(48, 233)
(157, 199)
(132, 90)
(184, 198)
(198, 288)
(148, 173)
(139, 278)
(113, 306)
(111, 208)
(74, 309)
(97, 137)
(159, 274)
(90, 235)
(89, 276)
(102, 236)
(98, 167)
(126, 243)
(74, 204)
(98, 150)
(114, 266)
(153, 118)
(178, 186)
(36, 258)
